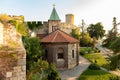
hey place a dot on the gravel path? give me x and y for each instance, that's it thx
(74, 73)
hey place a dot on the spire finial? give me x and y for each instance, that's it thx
(53, 5)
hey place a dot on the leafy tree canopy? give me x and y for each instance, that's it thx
(96, 30)
(76, 33)
(112, 34)
(33, 50)
(115, 45)
(33, 25)
(86, 40)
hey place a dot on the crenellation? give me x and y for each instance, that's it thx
(37, 22)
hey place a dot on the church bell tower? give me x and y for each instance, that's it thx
(54, 20)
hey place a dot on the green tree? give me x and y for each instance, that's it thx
(38, 71)
(86, 40)
(96, 30)
(115, 45)
(112, 34)
(115, 62)
(33, 50)
(82, 28)
(76, 33)
(34, 25)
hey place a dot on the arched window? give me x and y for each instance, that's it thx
(60, 54)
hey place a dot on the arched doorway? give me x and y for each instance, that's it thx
(60, 53)
(60, 58)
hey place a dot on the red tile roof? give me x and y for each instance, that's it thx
(59, 36)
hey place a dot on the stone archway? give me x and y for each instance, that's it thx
(60, 58)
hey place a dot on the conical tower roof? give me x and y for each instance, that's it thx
(54, 15)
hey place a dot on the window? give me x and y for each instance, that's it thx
(72, 53)
(54, 28)
(60, 54)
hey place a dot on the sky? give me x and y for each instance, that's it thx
(92, 11)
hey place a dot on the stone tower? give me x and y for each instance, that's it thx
(70, 18)
(54, 20)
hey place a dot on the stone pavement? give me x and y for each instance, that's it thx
(74, 73)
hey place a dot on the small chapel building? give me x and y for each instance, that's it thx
(60, 48)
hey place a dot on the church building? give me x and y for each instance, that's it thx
(60, 47)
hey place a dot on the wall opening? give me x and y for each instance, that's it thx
(72, 53)
(60, 54)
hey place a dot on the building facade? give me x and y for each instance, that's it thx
(60, 48)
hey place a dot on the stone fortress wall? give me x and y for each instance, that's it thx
(12, 54)
(64, 26)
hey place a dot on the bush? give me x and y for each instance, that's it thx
(82, 52)
(114, 62)
(94, 67)
(85, 50)
(96, 50)
(52, 73)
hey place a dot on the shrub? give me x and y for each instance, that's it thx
(96, 50)
(114, 62)
(52, 73)
(85, 50)
(82, 52)
(94, 67)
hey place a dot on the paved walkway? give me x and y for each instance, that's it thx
(74, 73)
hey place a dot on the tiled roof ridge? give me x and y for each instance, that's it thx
(59, 36)
(55, 36)
(63, 35)
(69, 35)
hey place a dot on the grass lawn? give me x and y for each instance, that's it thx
(95, 75)
(98, 58)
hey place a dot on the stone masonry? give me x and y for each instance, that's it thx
(12, 54)
(13, 67)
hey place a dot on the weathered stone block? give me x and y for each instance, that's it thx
(14, 78)
(17, 68)
(21, 62)
(8, 74)
(23, 68)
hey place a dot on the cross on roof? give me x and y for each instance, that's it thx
(54, 5)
